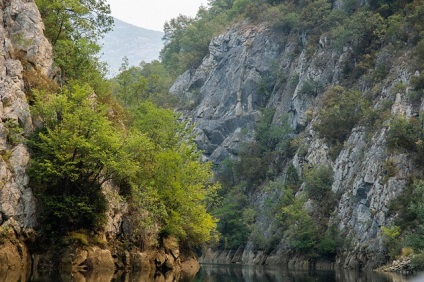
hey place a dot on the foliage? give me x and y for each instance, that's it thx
(14, 133)
(187, 40)
(88, 139)
(181, 183)
(318, 181)
(406, 134)
(364, 31)
(311, 87)
(409, 228)
(73, 155)
(303, 232)
(292, 177)
(340, 111)
(301, 229)
(403, 133)
(272, 145)
(417, 262)
(391, 239)
(330, 243)
(79, 149)
(73, 27)
(148, 81)
(230, 211)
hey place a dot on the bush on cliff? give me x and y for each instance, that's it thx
(80, 148)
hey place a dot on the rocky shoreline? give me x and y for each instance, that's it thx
(85, 261)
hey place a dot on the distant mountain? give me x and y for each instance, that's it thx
(138, 44)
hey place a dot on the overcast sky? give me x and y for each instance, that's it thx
(152, 14)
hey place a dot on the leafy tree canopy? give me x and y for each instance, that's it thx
(73, 27)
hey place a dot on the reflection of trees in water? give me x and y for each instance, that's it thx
(242, 273)
(12, 275)
(218, 273)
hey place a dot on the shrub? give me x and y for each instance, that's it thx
(318, 181)
(328, 246)
(292, 177)
(363, 31)
(340, 111)
(14, 133)
(391, 240)
(404, 133)
(234, 229)
(414, 237)
(417, 262)
(418, 56)
(409, 231)
(418, 82)
(300, 229)
(311, 87)
(77, 237)
(389, 169)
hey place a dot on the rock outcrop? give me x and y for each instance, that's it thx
(22, 45)
(251, 67)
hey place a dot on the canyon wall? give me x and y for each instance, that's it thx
(251, 68)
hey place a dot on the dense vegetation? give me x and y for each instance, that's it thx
(93, 132)
(137, 144)
(364, 30)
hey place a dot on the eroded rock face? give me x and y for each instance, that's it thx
(249, 68)
(14, 255)
(21, 41)
(225, 89)
(87, 259)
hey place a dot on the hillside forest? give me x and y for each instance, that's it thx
(130, 132)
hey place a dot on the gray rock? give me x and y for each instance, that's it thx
(21, 30)
(249, 68)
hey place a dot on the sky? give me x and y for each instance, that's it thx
(152, 14)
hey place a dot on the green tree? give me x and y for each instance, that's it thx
(234, 230)
(301, 230)
(318, 181)
(187, 40)
(341, 110)
(73, 27)
(183, 185)
(364, 31)
(131, 87)
(76, 151)
(148, 81)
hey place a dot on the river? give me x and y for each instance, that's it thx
(227, 273)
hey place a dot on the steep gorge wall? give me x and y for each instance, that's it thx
(21, 40)
(251, 67)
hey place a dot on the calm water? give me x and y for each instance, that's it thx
(242, 273)
(223, 273)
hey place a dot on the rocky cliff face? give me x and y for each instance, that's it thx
(22, 42)
(22, 45)
(252, 67)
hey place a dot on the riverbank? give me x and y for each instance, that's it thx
(18, 260)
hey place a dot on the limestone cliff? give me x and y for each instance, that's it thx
(22, 45)
(21, 37)
(252, 67)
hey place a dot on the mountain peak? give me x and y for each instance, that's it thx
(127, 40)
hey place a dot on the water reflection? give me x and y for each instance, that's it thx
(12, 275)
(218, 273)
(242, 273)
